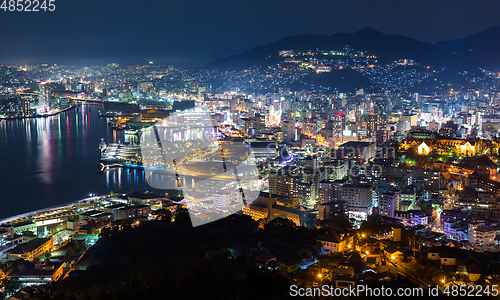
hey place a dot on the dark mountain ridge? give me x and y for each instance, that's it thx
(388, 47)
(480, 49)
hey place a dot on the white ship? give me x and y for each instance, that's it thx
(102, 146)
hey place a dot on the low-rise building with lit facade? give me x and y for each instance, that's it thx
(336, 242)
(32, 249)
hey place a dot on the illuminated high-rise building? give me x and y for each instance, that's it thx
(377, 126)
(359, 199)
(44, 96)
(339, 121)
(288, 131)
(223, 200)
(481, 237)
(388, 203)
(25, 106)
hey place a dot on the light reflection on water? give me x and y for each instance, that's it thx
(53, 160)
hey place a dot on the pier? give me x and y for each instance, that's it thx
(45, 212)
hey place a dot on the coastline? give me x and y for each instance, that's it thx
(41, 116)
(50, 209)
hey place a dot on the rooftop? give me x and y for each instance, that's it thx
(29, 246)
(32, 269)
(354, 144)
(332, 237)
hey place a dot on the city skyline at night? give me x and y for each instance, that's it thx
(318, 149)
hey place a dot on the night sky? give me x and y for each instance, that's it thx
(108, 30)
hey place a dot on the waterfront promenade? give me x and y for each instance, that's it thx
(51, 211)
(52, 113)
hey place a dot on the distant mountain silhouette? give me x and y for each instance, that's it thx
(386, 47)
(196, 63)
(481, 49)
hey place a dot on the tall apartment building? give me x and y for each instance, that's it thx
(432, 181)
(359, 199)
(297, 183)
(283, 184)
(337, 169)
(288, 130)
(409, 196)
(332, 209)
(479, 205)
(377, 126)
(325, 191)
(481, 237)
(224, 201)
(44, 95)
(388, 203)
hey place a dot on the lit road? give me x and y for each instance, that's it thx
(183, 171)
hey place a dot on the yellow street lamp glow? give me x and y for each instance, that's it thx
(393, 257)
(442, 280)
(319, 275)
